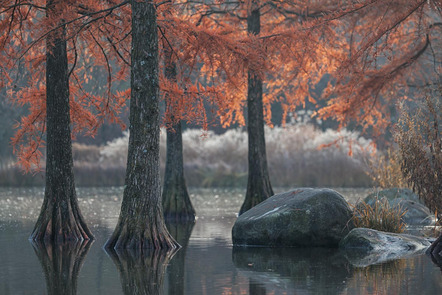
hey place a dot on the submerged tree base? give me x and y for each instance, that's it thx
(138, 234)
(60, 222)
(176, 204)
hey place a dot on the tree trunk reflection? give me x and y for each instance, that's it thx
(61, 264)
(141, 270)
(181, 232)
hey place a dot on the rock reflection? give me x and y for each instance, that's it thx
(176, 270)
(307, 271)
(363, 258)
(61, 264)
(141, 270)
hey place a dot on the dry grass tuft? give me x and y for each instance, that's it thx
(382, 216)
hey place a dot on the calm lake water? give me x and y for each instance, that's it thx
(207, 263)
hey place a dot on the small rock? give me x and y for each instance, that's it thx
(365, 246)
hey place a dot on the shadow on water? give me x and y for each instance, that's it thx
(308, 271)
(141, 270)
(176, 270)
(61, 264)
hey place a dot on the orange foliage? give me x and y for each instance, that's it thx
(369, 47)
(90, 27)
(212, 65)
(288, 53)
(389, 46)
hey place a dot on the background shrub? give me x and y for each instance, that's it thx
(420, 145)
(294, 153)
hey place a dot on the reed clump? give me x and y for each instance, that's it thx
(379, 216)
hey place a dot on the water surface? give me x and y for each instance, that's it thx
(207, 263)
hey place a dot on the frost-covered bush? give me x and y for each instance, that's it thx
(114, 153)
(301, 155)
(294, 153)
(215, 160)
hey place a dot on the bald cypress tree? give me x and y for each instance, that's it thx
(141, 223)
(60, 218)
(259, 187)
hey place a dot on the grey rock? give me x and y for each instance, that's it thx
(298, 218)
(416, 212)
(392, 194)
(363, 246)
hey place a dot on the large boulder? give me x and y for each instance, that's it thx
(416, 212)
(299, 218)
(365, 246)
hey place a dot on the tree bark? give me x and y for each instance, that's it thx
(60, 218)
(258, 183)
(61, 264)
(177, 206)
(141, 223)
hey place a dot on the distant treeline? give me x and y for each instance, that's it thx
(295, 158)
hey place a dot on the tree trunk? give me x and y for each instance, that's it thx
(258, 183)
(60, 218)
(61, 264)
(176, 202)
(141, 222)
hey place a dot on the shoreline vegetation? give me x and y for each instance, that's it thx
(296, 157)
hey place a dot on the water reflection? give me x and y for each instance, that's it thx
(396, 277)
(61, 264)
(437, 260)
(204, 266)
(362, 258)
(256, 288)
(308, 271)
(176, 270)
(141, 270)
